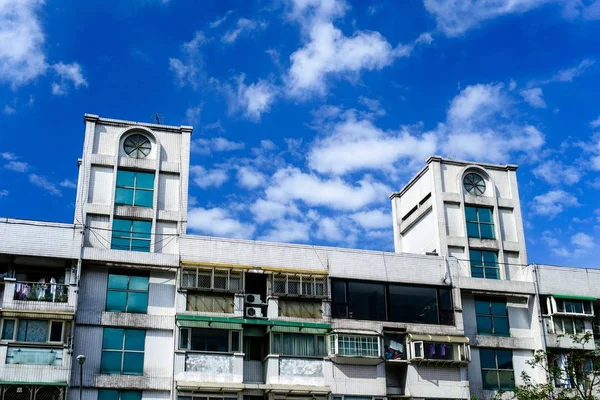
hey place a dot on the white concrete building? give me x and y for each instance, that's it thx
(160, 314)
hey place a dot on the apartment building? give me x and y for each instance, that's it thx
(160, 314)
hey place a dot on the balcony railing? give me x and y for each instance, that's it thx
(34, 356)
(38, 291)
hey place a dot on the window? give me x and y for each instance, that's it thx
(405, 303)
(394, 345)
(354, 346)
(474, 184)
(33, 330)
(479, 223)
(134, 188)
(212, 279)
(127, 293)
(137, 146)
(492, 317)
(228, 396)
(110, 394)
(497, 369)
(131, 235)
(123, 351)
(299, 285)
(300, 309)
(210, 303)
(484, 264)
(297, 344)
(566, 325)
(218, 340)
(573, 306)
(440, 351)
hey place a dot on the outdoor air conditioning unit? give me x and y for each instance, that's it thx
(253, 312)
(252, 298)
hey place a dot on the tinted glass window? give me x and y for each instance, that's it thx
(413, 304)
(366, 301)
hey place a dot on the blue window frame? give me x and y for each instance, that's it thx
(127, 293)
(123, 351)
(134, 188)
(497, 369)
(484, 264)
(131, 235)
(492, 317)
(479, 223)
(111, 394)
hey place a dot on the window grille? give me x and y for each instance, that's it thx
(212, 279)
(299, 285)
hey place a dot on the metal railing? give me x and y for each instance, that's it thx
(40, 291)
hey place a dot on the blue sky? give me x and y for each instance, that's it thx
(309, 113)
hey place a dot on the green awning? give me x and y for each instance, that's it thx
(33, 383)
(572, 297)
(247, 321)
(208, 324)
(297, 329)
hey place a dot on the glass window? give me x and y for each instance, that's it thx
(123, 351)
(8, 329)
(358, 346)
(497, 369)
(366, 301)
(131, 235)
(209, 302)
(134, 188)
(413, 304)
(569, 325)
(203, 339)
(110, 394)
(127, 293)
(484, 264)
(32, 330)
(492, 317)
(479, 223)
(297, 344)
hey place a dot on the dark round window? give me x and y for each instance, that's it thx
(474, 184)
(137, 146)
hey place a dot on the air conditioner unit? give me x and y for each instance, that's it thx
(252, 298)
(253, 312)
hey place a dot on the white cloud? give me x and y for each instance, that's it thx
(188, 71)
(478, 126)
(217, 222)
(44, 184)
(328, 53)
(343, 150)
(454, 17)
(553, 203)
(243, 26)
(250, 178)
(17, 166)
(4, 192)
(555, 173)
(216, 126)
(8, 156)
(568, 74)
(252, 100)
(69, 74)
(216, 144)
(512, 85)
(287, 231)
(330, 230)
(192, 115)
(595, 123)
(205, 178)
(534, 96)
(374, 106)
(216, 23)
(67, 183)
(22, 56)
(266, 210)
(8, 110)
(583, 241)
(289, 184)
(373, 219)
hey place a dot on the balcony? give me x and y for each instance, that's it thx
(295, 371)
(34, 356)
(209, 367)
(35, 296)
(253, 371)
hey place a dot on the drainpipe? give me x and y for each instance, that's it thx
(541, 320)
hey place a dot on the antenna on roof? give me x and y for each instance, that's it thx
(157, 118)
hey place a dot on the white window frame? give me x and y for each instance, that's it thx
(416, 347)
(63, 336)
(229, 344)
(335, 351)
(553, 307)
(313, 280)
(214, 271)
(462, 350)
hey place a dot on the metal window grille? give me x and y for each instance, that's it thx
(299, 285)
(210, 303)
(32, 392)
(301, 309)
(212, 279)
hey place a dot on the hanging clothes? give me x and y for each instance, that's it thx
(442, 349)
(430, 350)
(53, 288)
